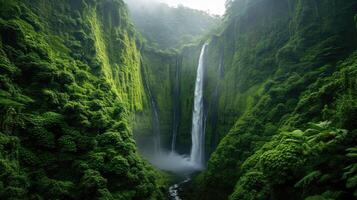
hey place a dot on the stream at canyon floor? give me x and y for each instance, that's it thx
(181, 168)
(176, 189)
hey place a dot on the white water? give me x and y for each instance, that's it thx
(156, 129)
(175, 189)
(197, 133)
(175, 107)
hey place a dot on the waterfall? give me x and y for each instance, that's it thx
(155, 123)
(156, 128)
(176, 95)
(197, 133)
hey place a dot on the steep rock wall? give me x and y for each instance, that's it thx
(276, 53)
(70, 79)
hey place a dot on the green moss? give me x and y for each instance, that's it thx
(285, 65)
(66, 97)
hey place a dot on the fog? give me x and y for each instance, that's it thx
(173, 162)
(216, 7)
(163, 159)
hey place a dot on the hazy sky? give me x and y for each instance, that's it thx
(213, 6)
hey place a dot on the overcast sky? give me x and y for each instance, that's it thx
(213, 6)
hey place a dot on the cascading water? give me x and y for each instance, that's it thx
(156, 128)
(176, 94)
(155, 123)
(197, 133)
(171, 161)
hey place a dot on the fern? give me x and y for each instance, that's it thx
(308, 179)
(320, 126)
(352, 152)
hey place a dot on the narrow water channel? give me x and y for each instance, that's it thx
(176, 189)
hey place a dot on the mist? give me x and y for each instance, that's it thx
(166, 160)
(164, 26)
(173, 162)
(214, 7)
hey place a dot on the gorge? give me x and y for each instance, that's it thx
(137, 100)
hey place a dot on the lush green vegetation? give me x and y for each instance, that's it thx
(291, 67)
(70, 77)
(77, 79)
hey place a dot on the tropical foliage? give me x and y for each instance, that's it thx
(65, 131)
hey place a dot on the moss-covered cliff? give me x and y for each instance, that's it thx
(280, 104)
(286, 64)
(280, 90)
(158, 71)
(170, 78)
(70, 77)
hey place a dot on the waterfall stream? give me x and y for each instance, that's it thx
(155, 123)
(156, 128)
(197, 133)
(182, 165)
(176, 95)
(196, 159)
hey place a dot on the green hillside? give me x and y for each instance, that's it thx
(97, 100)
(70, 78)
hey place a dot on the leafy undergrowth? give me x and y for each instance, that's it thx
(310, 164)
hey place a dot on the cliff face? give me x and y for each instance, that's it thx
(158, 71)
(286, 64)
(70, 77)
(170, 82)
(279, 94)
(275, 71)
